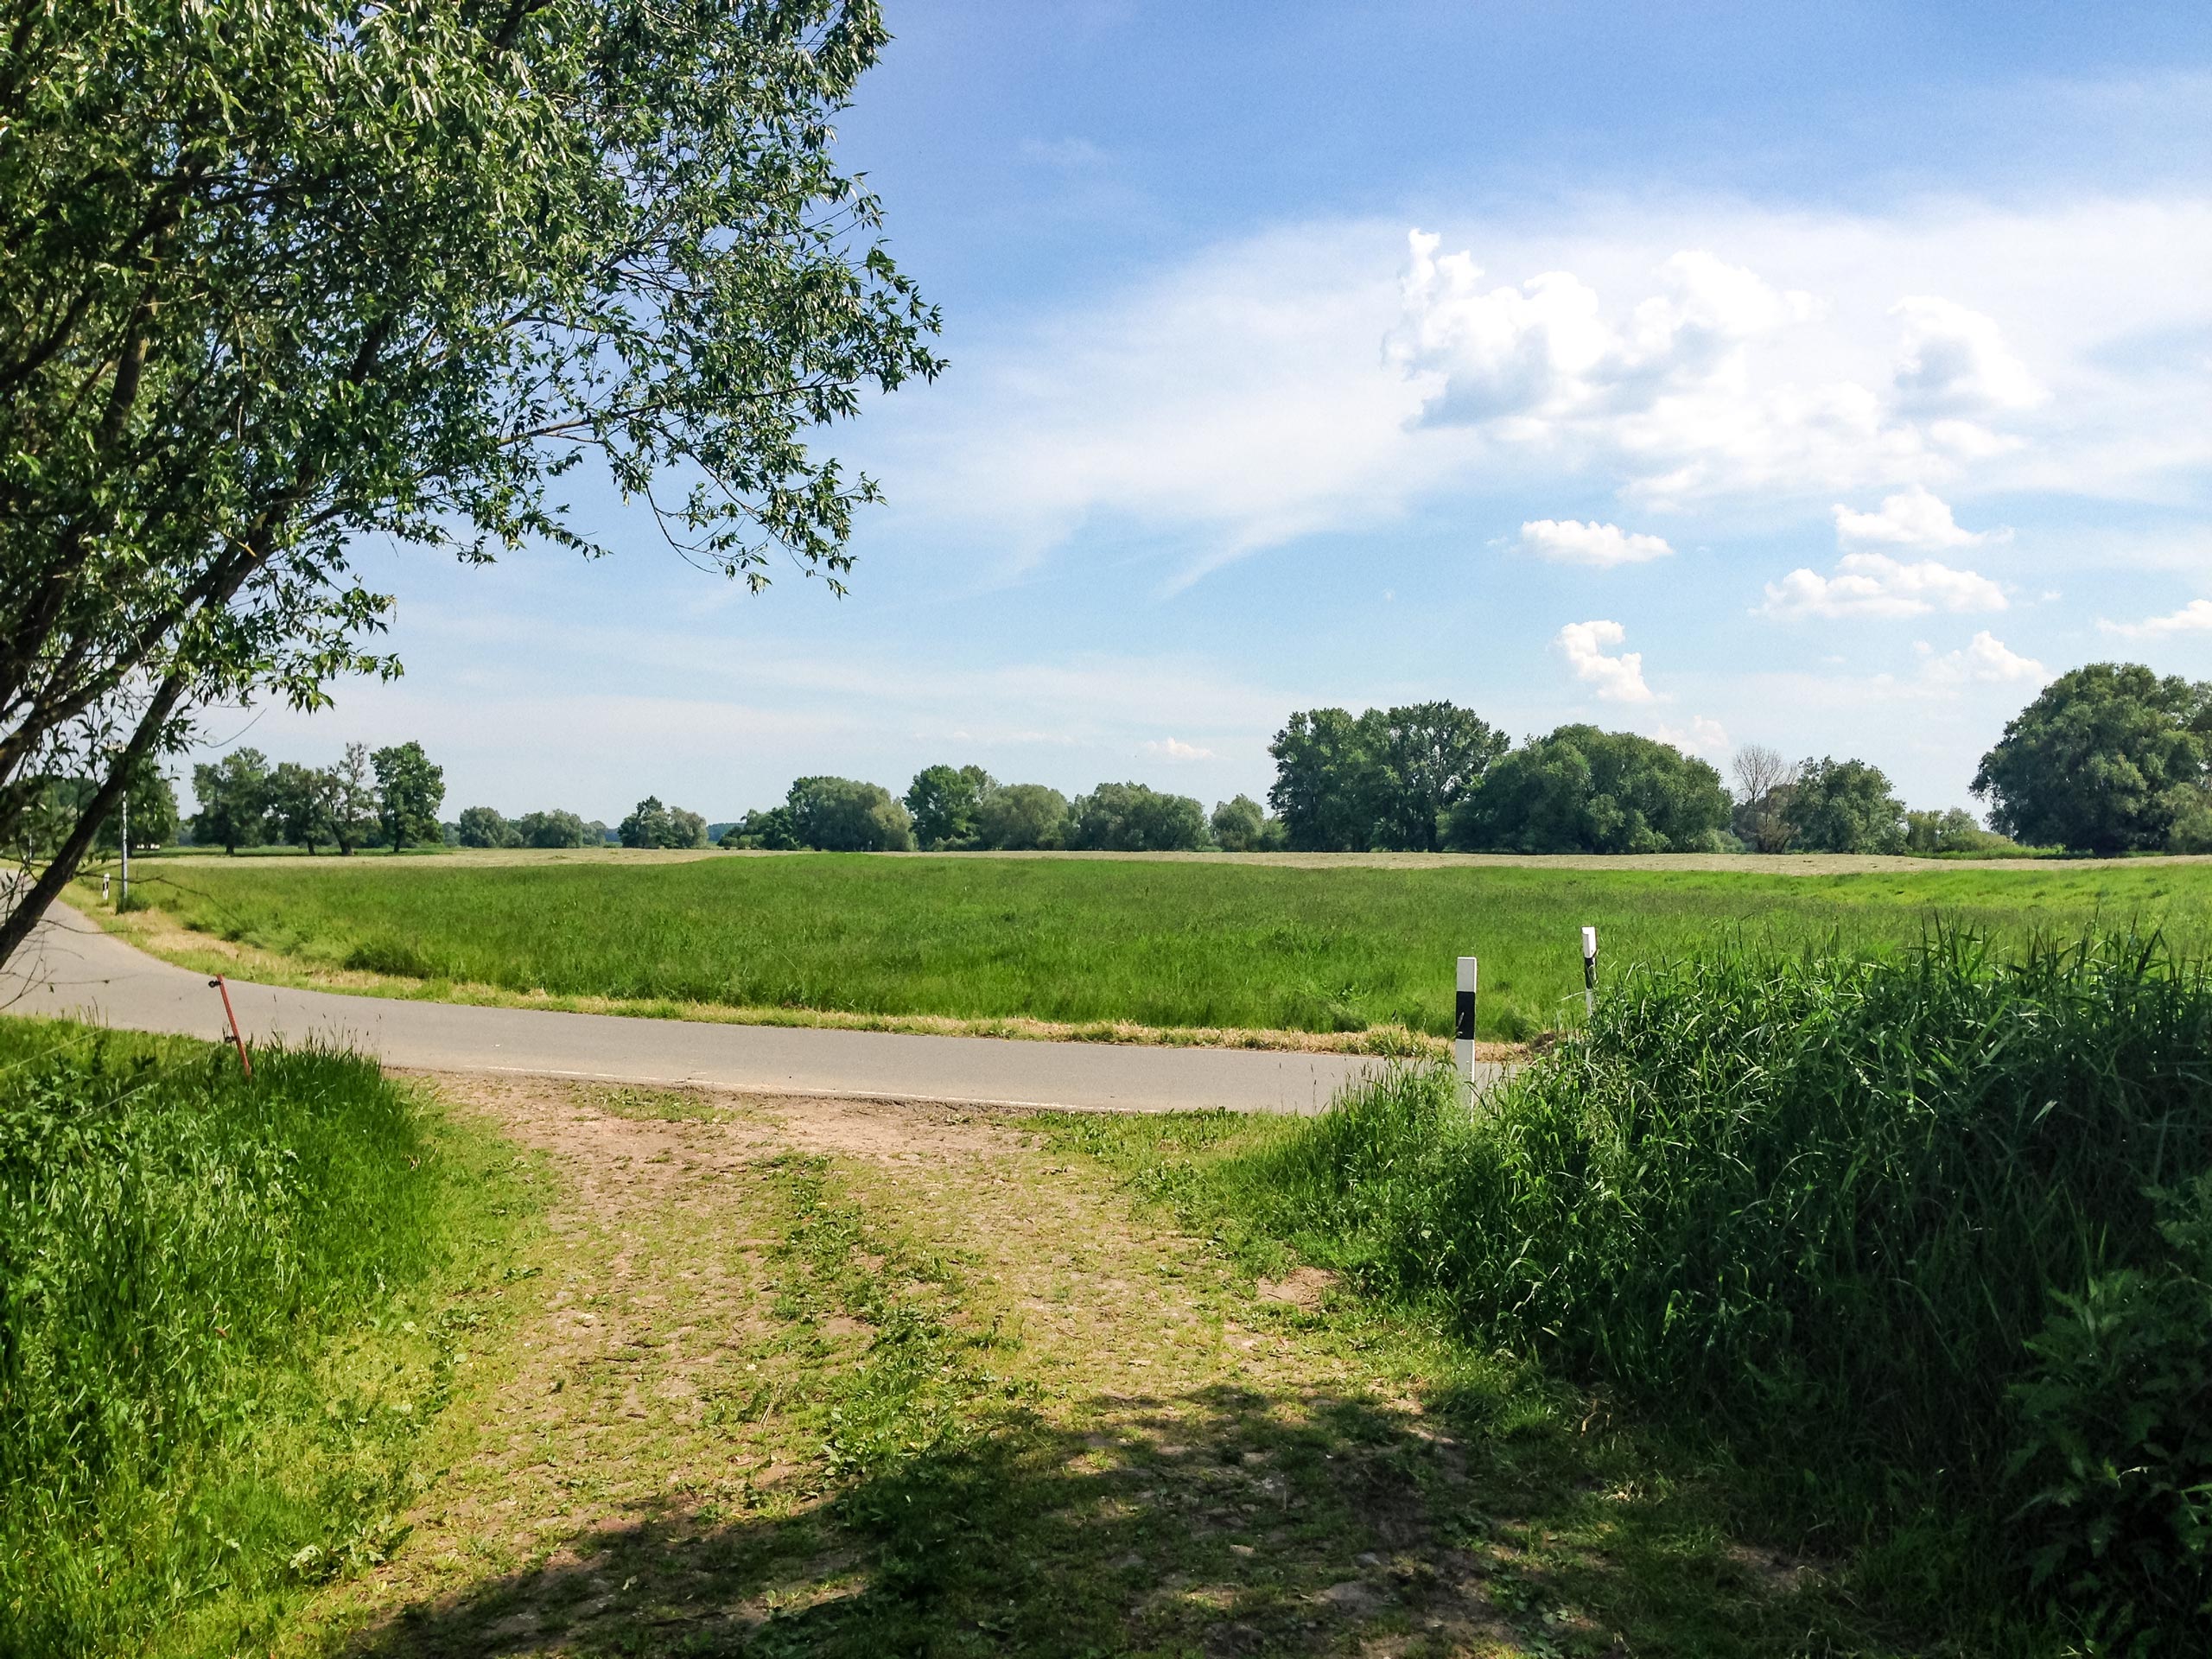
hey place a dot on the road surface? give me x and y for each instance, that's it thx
(70, 967)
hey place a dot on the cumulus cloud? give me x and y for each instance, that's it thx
(1874, 584)
(1176, 749)
(1616, 679)
(1985, 660)
(1916, 517)
(1568, 541)
(2195, 617)
(1953, 361)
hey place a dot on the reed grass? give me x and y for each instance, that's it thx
(1828, 1212)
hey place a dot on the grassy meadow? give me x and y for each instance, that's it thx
(1307, 946)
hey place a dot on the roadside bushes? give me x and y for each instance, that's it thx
(1924, 1236)
(177, 1245)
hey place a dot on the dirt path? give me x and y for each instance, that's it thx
(821, 1377)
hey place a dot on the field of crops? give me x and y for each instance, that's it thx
(1313, 946)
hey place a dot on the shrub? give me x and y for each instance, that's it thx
(1833, 1211)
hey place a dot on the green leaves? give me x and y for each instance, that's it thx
(281, 276)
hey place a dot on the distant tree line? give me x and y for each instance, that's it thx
(2108, 758)
(958, 809)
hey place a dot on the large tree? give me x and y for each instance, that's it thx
(842, 814)
(1022, 817)
(281, 276)
(409, 791)
(2102, 761)
(233, 797)
(1585, 791)
(1385, 778)
(1843, 806)
(943, 800)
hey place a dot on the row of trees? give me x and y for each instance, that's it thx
(389, 798)
(964, 808)
(1433, 776)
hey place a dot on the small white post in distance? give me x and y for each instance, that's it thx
(103, 887)
(1463, 1023)
(1589, 971)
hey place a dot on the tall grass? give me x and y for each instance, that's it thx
(1157, 943)
(1844, 1215)
(189, 1262)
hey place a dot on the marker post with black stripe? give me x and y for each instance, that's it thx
(1589, 972)
(1463, 1022)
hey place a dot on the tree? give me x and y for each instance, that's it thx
(281, 276)
(554, 829)
(483, 826)
(652, 824)
(2102, 761)
(943, 800)
(1135, 818)
(1324, 767)
(841, 815)
(233, 796)
(353, 799)
(1843, 806)
(408, 792)
(771, 831)
(1584, 791)
(1763, 781)
(300, 804)
(1425, 758)
(1239, 826)
(1022, 817)
(1385, 778)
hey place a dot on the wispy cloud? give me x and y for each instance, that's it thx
(2195, 617)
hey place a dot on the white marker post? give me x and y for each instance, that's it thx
(1589, 972)
(126, 855)
(1463, 1023)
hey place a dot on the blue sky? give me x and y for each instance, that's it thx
(1821, 376)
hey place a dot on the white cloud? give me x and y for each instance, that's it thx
(1240, 400)
(1953, 361)
(1916, 517)
(1985, 660)
(1176, 749)
(2193, 618)
(1706, 737)
(1616, 679)
(1568, 541)
(1874, 584)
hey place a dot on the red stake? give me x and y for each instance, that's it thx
(229, 1015)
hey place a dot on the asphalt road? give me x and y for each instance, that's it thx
(70, 967)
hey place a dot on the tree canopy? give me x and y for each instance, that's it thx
(1842, 806)
(280, 276)
(1022, 817)
(1385, 778)
(2104, 760)
(1585, 791)
(655, 825)
(409, 791)
(842, 814)
(943, 802)
(1135, 818)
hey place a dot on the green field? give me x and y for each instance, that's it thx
(1254, 945)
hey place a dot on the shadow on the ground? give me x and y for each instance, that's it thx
(1218, 1522)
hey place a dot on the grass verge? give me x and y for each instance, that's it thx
(227, 1308)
